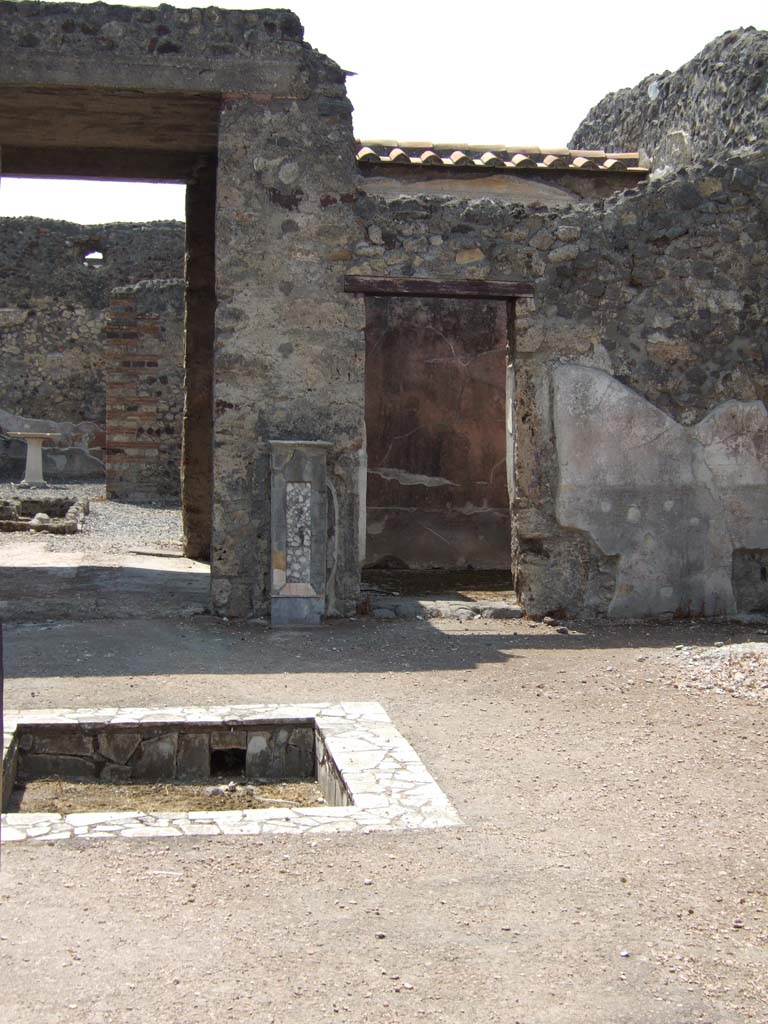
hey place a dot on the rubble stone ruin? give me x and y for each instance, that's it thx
(552, 362)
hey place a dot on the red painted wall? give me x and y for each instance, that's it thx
(435, 391)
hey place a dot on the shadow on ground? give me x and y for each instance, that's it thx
(205, 646)
(158, 587)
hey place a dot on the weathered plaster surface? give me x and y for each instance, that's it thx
(672, 502)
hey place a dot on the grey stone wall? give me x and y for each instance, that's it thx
(660, 288)
(713, 105)
(289, 356)
(161, 37)
(52, 306)
(288, 361)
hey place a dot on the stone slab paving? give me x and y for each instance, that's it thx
(389, 786)
(385, 606)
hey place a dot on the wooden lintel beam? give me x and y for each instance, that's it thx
(102, 164)
(420, 287)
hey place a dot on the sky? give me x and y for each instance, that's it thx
(489, 71)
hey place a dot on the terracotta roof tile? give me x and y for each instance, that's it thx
(501, 157)
(460, 159)
(522, 160)
(585, 163)
(489, 159)
(555, 161)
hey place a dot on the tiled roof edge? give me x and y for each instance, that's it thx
(502, 158)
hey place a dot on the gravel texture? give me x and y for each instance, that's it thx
(111, 526)
(611, 869)
(739, 669)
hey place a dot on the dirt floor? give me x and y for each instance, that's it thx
(66, 796)
(611, 868)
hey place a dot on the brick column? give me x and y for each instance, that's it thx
(144, 392)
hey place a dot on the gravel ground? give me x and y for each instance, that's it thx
(739, 669)
(611, 868)
(111, 526)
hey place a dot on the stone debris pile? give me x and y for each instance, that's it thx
(740, 670)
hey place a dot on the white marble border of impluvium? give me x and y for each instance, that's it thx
(388, 784)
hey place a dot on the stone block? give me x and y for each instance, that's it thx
(750, 579)
(40, 766)
(258, 754)
(117, 746)
(193, 757)
(73, 742)
(300, 753)
(155, 758)
(501, 610)
(228, 739)
(116, 773)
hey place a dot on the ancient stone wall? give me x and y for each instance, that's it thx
(52, 306)
(289, 346)
(144, 347)
(660, 289)
(717, 103)
(289, 357)
(645, 342)
(435, 410)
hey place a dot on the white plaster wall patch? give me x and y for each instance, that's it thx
(624, 465)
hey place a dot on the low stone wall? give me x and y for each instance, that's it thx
(144, 344)
(40, 514)
(270, 750)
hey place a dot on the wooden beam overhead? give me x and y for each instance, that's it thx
(421, 287)
(102, 164)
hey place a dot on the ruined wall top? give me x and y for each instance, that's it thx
(47, 258)
(714, 105)
(153, 48)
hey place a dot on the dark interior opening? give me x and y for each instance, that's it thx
(228, 762)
